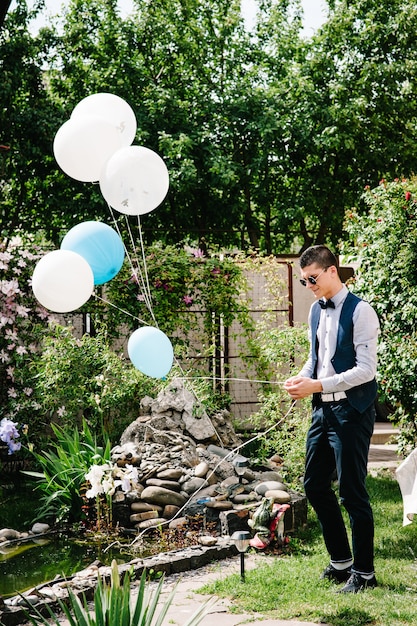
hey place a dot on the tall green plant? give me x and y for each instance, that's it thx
(114, 604)
(62, 482)
(383, 244)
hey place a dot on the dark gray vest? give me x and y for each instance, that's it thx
(344, 358)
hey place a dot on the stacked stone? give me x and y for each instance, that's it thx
(183, 472)
(182, 482)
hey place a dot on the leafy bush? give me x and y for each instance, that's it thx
(62, 482)
(383, 243)
(85, 378)
(176, 281)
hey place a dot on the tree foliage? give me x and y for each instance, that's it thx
(268, 136)
(360, 79)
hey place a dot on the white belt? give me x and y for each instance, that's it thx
(333, 397)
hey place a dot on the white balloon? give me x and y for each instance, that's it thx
(62, 281)
(114, 110)
(83, 144)
(135, 180)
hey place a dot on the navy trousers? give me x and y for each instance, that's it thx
(339, 439)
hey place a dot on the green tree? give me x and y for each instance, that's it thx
(268, 137)
(199, 84)
(27, 120)
(195, 79)
(355, 113)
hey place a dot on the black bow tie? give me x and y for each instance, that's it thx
(326, 304)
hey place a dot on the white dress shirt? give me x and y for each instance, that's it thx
(365, 338)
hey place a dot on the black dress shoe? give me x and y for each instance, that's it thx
(336, 575)
(357, 583)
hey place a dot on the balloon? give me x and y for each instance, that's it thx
(134, 180)
(150, 351)
(99, 245)
(83, 144)
(114, 110)
(62, 281)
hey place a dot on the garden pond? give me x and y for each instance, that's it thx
(24, 564)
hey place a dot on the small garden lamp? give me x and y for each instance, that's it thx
(241, 540)
(240, 463)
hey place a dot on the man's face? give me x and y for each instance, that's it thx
(321, 281)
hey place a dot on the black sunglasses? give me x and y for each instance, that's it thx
(312, 279)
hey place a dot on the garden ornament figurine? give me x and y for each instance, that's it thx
(264, 522)
(339, 375)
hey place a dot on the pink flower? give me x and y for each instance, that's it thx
(9, 287)
(21, 350)
(4, 319)
(22, 311)
(197, 253)
(408, 196)
(12, 392)
(4, 357)
(42, 313)
(188, 300)
(11, 335)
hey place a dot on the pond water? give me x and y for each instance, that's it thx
(29, 563)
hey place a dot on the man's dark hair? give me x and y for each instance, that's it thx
(320, 255)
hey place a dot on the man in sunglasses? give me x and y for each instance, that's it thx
(340, 376)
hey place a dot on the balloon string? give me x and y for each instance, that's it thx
(129, 258)
(119, 309)
(145, 267)
(242, 380)
(145, 292)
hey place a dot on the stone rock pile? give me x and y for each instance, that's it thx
(185, 463)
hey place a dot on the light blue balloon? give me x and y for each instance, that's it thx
(99, 245)
(150, 351)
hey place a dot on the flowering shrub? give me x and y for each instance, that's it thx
(47, 373)
(22, 323)
(383, 242)
(179, 280)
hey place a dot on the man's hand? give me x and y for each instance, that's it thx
(300, 387)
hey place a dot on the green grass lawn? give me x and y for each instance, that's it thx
(289, 586)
